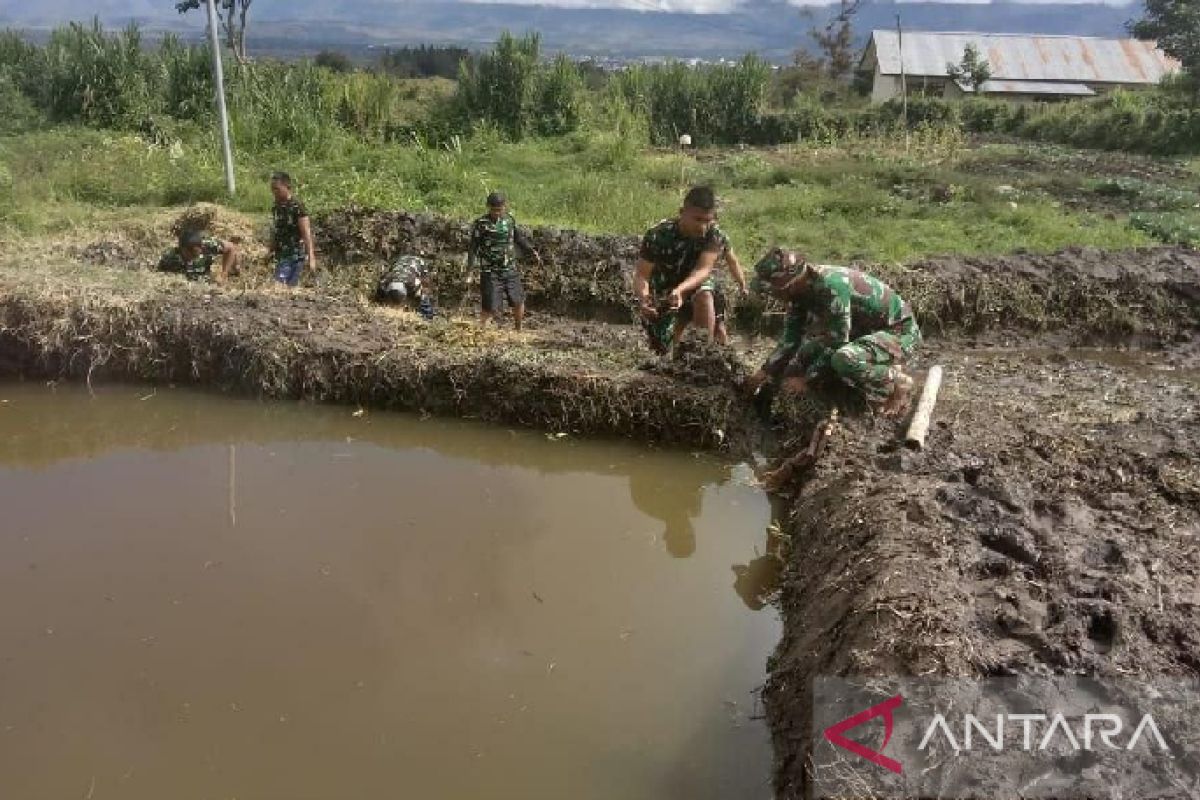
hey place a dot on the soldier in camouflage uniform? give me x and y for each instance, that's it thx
(403, 283)
(673, 280)
(291, 241)
(495, 239)
(842, 322)
(195, 256)
(720, 325)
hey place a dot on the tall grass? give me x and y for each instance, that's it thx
(864, 200)
(112, 80)
(1156, 122)
(86, 75)
(187, 79)
(719, 104)
(510, 90)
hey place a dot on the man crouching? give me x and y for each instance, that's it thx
(858, 329)
(403, 284)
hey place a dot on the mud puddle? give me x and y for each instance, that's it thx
(203, 597)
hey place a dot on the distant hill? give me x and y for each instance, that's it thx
(773, 28)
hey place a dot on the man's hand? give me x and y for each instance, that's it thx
(756, 381)
(675, 299)
(795, 386)
(647, 310)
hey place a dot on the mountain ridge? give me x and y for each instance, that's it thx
(772, 28)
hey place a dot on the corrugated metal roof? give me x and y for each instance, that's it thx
(1028, 58)
(1033, 87)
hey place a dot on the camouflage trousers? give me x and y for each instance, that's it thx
(869, 363)
(661, 332)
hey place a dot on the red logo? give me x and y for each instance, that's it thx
(834, 733)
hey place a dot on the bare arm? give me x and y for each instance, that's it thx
(229, 254)
(735, 269)
(472, 244)
(701, 273)
(306, 234)
(522, 240)
(641, 285)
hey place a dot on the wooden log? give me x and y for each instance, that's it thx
(919, 427)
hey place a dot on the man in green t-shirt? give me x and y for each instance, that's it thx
(291, 233)
(673, 278)
(495, 239)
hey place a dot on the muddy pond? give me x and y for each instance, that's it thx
(209, 598)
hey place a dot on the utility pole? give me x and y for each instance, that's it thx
(219, 82)
(903, 77)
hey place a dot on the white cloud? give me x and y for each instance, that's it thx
(726, 6)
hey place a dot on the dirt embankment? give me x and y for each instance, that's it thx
(580, 274)
(562, 377)
(1051, 525)
(1148, 294)
(1090, 295)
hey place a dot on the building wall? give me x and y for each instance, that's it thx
(887, 87)
(884, 87)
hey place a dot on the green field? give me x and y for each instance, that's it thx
(100, 127)
(865, 199)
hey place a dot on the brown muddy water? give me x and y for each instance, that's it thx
(212, 598)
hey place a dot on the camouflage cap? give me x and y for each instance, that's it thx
(776, 263)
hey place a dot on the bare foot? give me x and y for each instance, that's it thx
(898, 400)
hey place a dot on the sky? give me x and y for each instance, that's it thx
(714, 6)
(76, 8)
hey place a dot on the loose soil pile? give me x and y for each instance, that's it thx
(1051, 526)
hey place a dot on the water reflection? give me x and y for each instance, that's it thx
(655, 496)
(757, 581)
(428, 609)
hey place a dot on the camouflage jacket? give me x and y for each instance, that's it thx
(840, 305)
(408, 270)
(674, 255)
(200, 268)
(286, 241)
(494, 243)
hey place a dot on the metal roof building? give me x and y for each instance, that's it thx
(1021, 65)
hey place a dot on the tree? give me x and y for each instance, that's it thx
(333, 60)
(836, 40)
(232, 16)
(1175, 25)
(973, 71)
